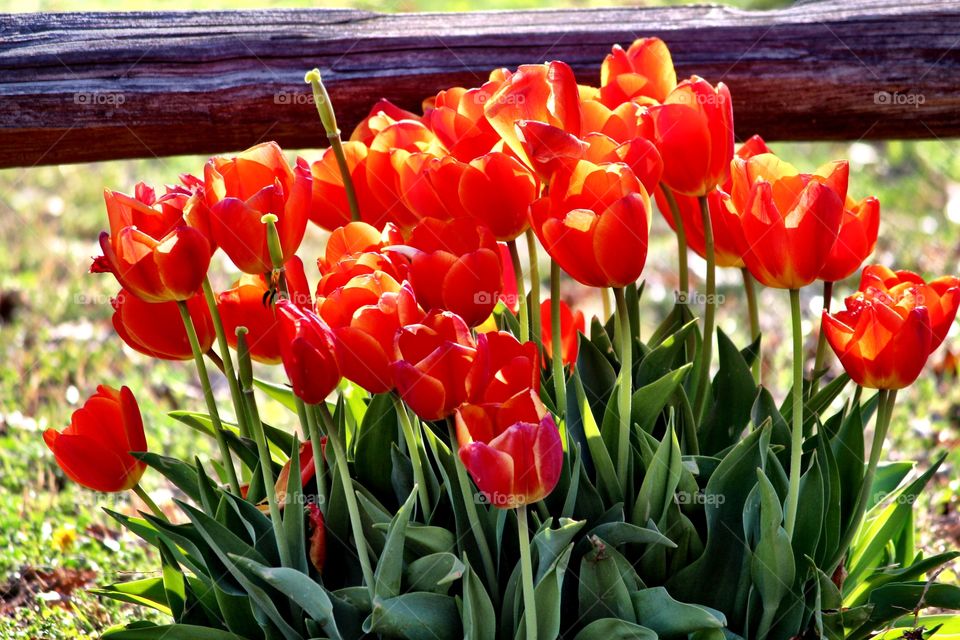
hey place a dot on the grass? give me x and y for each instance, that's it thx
(57, 344)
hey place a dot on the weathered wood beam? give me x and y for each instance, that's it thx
(94, 86)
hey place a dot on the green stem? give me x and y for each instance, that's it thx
(751, 291)
(796, 442)
(363, 552)
(226, 359)
(208, 396)
(556, 340)
(413, 446)
(625, 397)
(534, 259)
(709, 314)
(821, 343)
(308, 423)
(521, 291)
(884, 414)
(526, 570)
(263, 449)
(606, 306)
(147, 500)
(329, 120)
(337, 145)
(681, 241)
(470, 504)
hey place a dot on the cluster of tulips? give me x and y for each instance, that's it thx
(421, 292)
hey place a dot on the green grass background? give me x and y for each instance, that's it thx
(59, 344)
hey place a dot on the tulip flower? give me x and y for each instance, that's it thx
(308, 351)
(365, 315)
(512, 465)
(693, 129)
(497, 190)
(594, 223)
(242, 189)
(571, 326)
(642, 73)
(329, 207)
(880, 346)
(789, 220)
(546, 93)
(855, 240)
(94, 450)
(436, 356)
(382, 114)
(503, 367)
(156, 328)
(455, 267)
(509, 296)
(940, 296)
(347, 243)
(429, 185)
(248, 303)
(456, 117)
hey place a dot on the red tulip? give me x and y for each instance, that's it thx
(94, 450)
(308, 351)
(156, 328)
(789, 220)
(456, 267)
(512, 464)
(693, 129)
(456, 117)
(503, 367)
(543, 92)
(329, 208)
(594, 223)
(642, 73)
(855, 241)
(436, 356)
(620, 123)
(365, 314)
(382, 114)
(571, 326)
(150, 249)
(497, 190)
(240, 190)
(318, 537)
(508, 296)
(429, 185)
(940, 296)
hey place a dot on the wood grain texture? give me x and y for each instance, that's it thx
(94, 86)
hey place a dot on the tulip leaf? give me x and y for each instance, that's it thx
(649, 400)
(182, 475)
(170, 632)
(666, 617)
(614, 629)
(895, 600)
(597, 376)
(435, 572)
(294, 517)
(423, 540)
(733, 392)
(282, 393)
(546, 595)
(888, 478)
(551, 543)
(148, 592)
(603, 592)
(616, 534)
(479, 617)
(809, 527)
(174, 583)
(608, 484)
(416, 616)
(375, 436)
(390, 567)
(860, 594)
(299, 588)
(665, 357)
(772, 567)
(660, 482)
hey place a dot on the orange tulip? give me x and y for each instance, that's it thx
(497, 191)
(940, 296)
(503, 367)
(308, 351)
(571, 326)
(240, 190)
(456, 117)
(594, 223)
(456, 267)
(382, 114)
(329, 208)
(94, 450)
(156, 328)
(789, 220)
(247, 303)
(642, 73)
(513, 463)
(546, 93)
(855, 240)
(436, 356)
(356, 238)
(693, 129)
(621, 123)
(429, 185)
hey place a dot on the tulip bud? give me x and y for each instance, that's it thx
(308, 352)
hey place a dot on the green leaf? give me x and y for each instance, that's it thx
(434, 573)
(660, 482)
(148, 592)
(546, 595)
(279, 392)
(608, 484)
(375, 436)
(733, 393)
(478, 613)
(650, 399)
(603, 591)
(860, 594)
(616, 534)
(299, 588)
(423, 540)
(293, 525)
(666, 617)
(614, 629)
(772, 566)
(665, 357)
(596, 375)
(390, 567)
(171, 632)
(550, 544)
(895, 600)
(416, 616)
(174, 583)
(182, 475)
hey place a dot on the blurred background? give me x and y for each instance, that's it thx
(57, 343)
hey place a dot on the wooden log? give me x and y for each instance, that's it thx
(81, 87)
